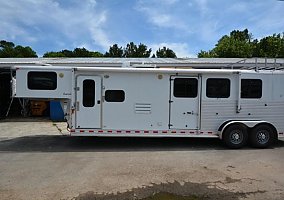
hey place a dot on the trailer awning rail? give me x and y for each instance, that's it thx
(258, 64)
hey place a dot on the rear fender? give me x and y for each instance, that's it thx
(249, 124)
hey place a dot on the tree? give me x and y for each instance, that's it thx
(229, 47)
(4, 44)
(241, 44)
(96, 54)
(77, 52)
(82, 52)
(8, 50)
(143, 52)
(132, 51)
(67, 53)
(206, 54)
(114, 51)
(271, 46)
(165, 53)
(237, 45)
(24, 52)
(241, 35)
(53, 54)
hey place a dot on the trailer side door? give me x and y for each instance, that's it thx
(88, 102)
(184, 102)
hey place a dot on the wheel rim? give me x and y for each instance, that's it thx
(262, 136)
(236, 136)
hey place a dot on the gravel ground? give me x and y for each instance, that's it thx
(38, 161)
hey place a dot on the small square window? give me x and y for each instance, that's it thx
(251, 88)
(185, 87)
(114, 95)
(218, 88)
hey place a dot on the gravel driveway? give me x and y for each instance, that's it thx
(38, 161)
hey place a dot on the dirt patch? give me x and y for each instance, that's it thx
(170, 191)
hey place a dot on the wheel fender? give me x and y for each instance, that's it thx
(246, 123)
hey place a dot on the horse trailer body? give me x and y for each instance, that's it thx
(236, 105)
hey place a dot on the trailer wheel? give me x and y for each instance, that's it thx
(235, 136)
(261, 136)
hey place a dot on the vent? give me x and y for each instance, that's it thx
(143, 108)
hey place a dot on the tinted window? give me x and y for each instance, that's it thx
(88, 93)
(251, 88)
(218, 88)
(114, 95)
(42, 80)
(185, 87)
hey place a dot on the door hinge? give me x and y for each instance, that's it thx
(170, 125)
(171, 101)
(77, 105)
(77, 88)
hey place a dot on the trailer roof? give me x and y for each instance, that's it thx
(164, 70)
(205, 63)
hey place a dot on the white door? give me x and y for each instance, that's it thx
(184, 102)
(88, 102)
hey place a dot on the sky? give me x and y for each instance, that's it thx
(185, 26)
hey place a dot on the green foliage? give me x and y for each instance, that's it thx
(53, 54)
(8, 50)
(207, 54)
(96, 54)
(239, 44)
(114, 52)
(241, 35)
(233, 48)
(134, 51)
(165, 53)
(4, 44)
(130, 51)
(77, 52)
(271, 46)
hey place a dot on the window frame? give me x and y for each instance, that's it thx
(88, 96)
(111, 99)
(187, 93)
(31, 79)
(250, 89)
(228, 93)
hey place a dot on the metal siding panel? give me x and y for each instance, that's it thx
(253, 110)
(140, 89)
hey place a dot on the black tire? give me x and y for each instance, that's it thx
(261, 136)
(235, 136)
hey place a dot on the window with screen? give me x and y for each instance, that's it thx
(185, 87)
(251, 88)
(42, 80)
(89, 93)
(114, 95)
(218, 88)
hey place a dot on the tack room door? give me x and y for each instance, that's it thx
(184, 102)
(88, 102)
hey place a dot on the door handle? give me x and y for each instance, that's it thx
(188, 113)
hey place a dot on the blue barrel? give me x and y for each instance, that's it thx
(56, 112)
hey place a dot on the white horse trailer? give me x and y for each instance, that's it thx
(235, 105)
